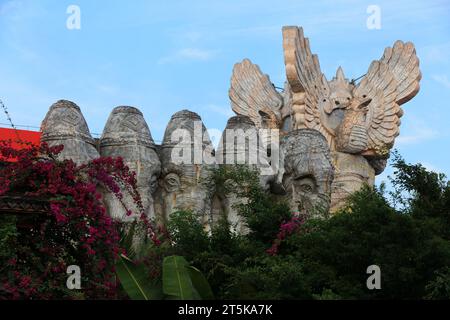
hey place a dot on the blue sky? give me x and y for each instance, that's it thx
(164, 56)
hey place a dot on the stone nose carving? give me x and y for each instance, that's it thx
(127, 135)
(65, 125)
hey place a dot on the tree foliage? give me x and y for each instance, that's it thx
(405, 232)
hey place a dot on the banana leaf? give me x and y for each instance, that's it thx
(177, 283)
(135, 281)
(200, 283)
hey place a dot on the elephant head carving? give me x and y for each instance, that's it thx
(127, 135)
(307, 171)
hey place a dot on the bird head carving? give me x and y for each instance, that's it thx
(340, 92)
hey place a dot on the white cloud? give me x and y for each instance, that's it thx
(420, 134)
(224, 111)
(193, 36)
(430, 167)
(9, 6)
(436, 54)
(196, 54)
(17, 27)
(442, 79)
(189, 54)
(107, 89)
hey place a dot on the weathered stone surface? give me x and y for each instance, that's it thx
(307, 172)
(65, 125)
(241, 144)
(186, 154)
(336, 135)
(127, 135)
(252, 94)
(369, 120)
(361, 119)
(378, 164)
(352, 172)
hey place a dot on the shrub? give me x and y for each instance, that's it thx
(76, 231)
(262, 213)
(328, 259)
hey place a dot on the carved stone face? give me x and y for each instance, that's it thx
(308, 171)
(181, 184)
(127, 135)
(242, 144)
(65, 125)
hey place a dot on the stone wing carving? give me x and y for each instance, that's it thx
(310, 88)
(390, 82)
(252, 94)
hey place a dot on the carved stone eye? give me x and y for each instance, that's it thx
(172, 182)
(306, 184)
(306, 188)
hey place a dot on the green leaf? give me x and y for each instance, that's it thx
(177, 283)
(134, 280)
(200, 283)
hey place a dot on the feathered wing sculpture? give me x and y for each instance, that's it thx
(370, 112)
(252, 94)
(310, 88)
(390, 82)
(359, 121)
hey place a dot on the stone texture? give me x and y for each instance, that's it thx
(65, 125)
(127, 135)
(241, 144)
(307, 172)
(352, 172)
(360, 119)
(355, 118)
(252, 94)
(336, 135)
(181, 184)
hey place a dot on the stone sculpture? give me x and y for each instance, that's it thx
(127, 135)
(335, 136)
(307, 172)
(359, 121)
(242, 144)
(186, 155)
(65, 125)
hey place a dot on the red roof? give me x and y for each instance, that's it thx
(27, 136)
